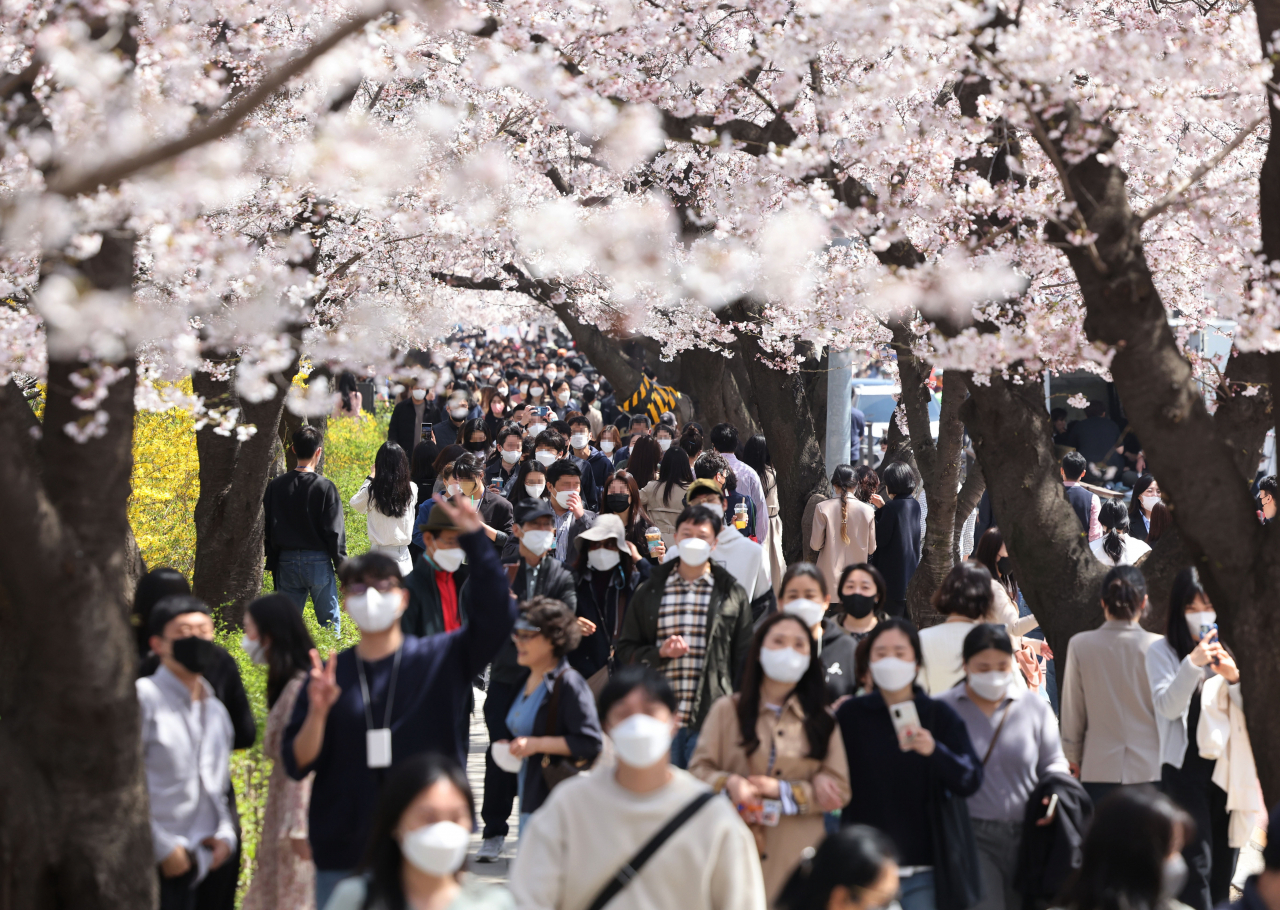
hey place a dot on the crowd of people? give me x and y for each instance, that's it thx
(678, 716)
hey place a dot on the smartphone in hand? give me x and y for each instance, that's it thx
(906, 723)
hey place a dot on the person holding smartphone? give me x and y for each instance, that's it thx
(1177, 667)
(900, 743)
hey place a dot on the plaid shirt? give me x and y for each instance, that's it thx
(683, 611)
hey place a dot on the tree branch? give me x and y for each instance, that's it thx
(1174, 194)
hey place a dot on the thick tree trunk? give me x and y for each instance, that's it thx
(74, 822)
(1057, 573)
(709, 380)
(233, 478)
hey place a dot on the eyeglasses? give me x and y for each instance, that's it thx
(524, 635)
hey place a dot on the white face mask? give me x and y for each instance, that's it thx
(563, 397)
(579, 440)
(807, 611)
(536, 428)
(453, 489)
(606, 446)
(437, 849)
(502, 391)
(486, 372)
(1196, 620)
(253, 647)
(694, 551)
(715, 508)
(448, 560)
(993, 685)
(784, 665)
(535, 390)
(664, 443)
(534, 489)
(374, 611)
(562, 498)
(603, 560)
(511, 457)
(1150, 499)
(892, 674)
(459, 411)
(538, 542)
(641, 741)
(545, 458)
(419, 394)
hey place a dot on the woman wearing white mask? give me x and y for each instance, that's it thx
(284, 877)
(844, 529)
(531, 482)
(1017, 736)
(900, 743)
(774, 748)
(608, 571)
(583, 840)
(665, 435)
(964, 598)
(1178, 666)
(562, 399)
(418, 845)
(1145, 497)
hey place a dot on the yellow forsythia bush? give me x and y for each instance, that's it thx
(166, 485)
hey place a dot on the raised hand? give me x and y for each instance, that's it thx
(323, 690)
(461, 512)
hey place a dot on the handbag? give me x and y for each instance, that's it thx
(556, 769)
(957, 879)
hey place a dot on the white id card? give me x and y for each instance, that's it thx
(377, 745)
(771, 812)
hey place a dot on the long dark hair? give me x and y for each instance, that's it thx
(675, 470)
(383, 860)
(1135, 502)
(854, 857)
(518, 491)
(639, 517)
(1161, 521)
(755, 454)
(811, 691)
(988, 553)
(390, 488)
(423, 470)
(1132, 832)
(289, 652)
(643, 460)
(1115, 519)
(153, 587)
(868, 482)
(1186, 587)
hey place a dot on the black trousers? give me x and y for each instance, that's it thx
(500, 787)
(1210, 859)
(897, 609)
(177, 893)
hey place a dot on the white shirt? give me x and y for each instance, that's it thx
(749, 485)
(941, 650)
(743, 558)
(384, 530)
(1131, 550)
(186, 747)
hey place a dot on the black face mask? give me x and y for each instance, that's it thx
(616, 502)
(1003, 566)
(196, 654)
(477, 446)
(859, 606)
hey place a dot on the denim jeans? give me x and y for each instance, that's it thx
(326, 881)
(915, 892)
(686, 740)
(998, 844)
(303, 572)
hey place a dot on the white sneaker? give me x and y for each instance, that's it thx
(490, 851)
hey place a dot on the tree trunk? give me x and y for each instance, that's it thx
(74, 820)
(709, 380)
(1056, 571)
(233, 478)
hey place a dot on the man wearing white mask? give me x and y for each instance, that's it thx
(594, 464)
(532, 570)
(391, 696)
(692, 621)
(586, 841)
(456, 411)
(1017, 735)
(742, 556)
(412, 416)
(565, 483)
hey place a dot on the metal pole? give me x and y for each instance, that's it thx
(1048, 398)
(839, 392)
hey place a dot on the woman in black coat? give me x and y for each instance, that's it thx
(897, 535)
(606, 581)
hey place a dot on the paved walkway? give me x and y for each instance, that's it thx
(487, 872)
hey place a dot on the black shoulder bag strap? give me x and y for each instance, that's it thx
(629, 871)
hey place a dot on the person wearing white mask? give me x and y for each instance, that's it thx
(740, 555)
(1178, 666)
(692, 621)
(666, 436)
(284, 876)
(411, 419)
(391, 696)
(418, 846)
(533, 570)
(565, 483)
(501, 473)
(595, 465)
(775, 749)
(449, 428)
(899, 767)
(586, 836)
(1145, 497)
(562, 398)
(1017, 736)
(608, 569)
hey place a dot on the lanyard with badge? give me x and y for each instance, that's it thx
(377, 740)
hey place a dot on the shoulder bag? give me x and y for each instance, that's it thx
(556, 769)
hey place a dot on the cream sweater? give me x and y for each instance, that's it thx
(590, 826)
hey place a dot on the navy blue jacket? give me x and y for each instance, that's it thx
(897, 544)
(899, 802)
(577, 722)
(428, 714)
(446, 433)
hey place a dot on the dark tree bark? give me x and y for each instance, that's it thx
(74, 822)
(1057, 573)
(233, 477)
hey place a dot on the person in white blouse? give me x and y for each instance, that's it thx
(387, 498)
(1116, 547)
(964, 597)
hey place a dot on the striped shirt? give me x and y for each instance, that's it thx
(683, 612)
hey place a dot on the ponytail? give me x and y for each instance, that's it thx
(1115, 519)
(844, 517)
(843, 481)
(1123, 592)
